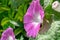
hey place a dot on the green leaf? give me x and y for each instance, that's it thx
(1, 11)
(5, 26)
(4, 2)
(20, 13)
(11, 25)
(14, 23)
(16, 3)
(5, 21)
(4, 8)
(42, 2)
(25, 8)
(21, 38)
(17, 31)
(47, 3)
(54, 25)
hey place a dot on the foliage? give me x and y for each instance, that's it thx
(52, 34)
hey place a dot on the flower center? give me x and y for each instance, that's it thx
(37, 18)
(10, 38)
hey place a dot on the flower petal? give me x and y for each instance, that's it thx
(27, 18)
(32, 29)
(28, 26)
(33, 18)
(34, 8)
(8, 33)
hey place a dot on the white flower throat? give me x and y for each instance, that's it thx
(10, 38)
(36, 19)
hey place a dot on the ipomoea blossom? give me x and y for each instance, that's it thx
(56, 6)
(8, 34)
(33, 18)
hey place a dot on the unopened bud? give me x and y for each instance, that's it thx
(56, 6)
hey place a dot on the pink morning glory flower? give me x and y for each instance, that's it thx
(33, 19)
(8, 34)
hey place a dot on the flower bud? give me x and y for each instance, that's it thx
(56, 6)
